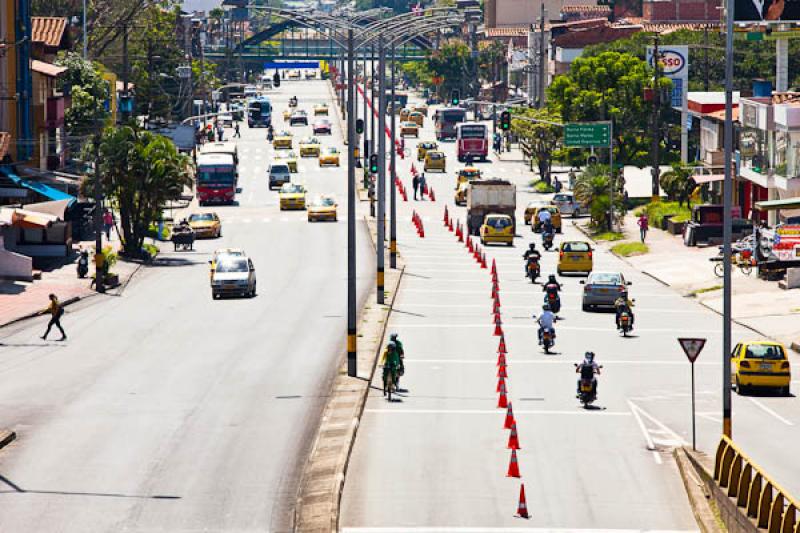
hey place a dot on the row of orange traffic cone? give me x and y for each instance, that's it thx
(401, 188)
(417, 220)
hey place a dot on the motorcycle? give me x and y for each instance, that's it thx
(552, 299)
(547, 240)
(586, 387)
(292, 102)
(533, 270)
(548, 339)
(83, 264)
(625, 323)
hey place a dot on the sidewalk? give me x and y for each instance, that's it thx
(758, 304)
(20, 300)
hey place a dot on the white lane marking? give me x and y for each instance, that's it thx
(284, 219)
(712, 418)
(527, 293)
(457, 529)
(495, 412)
(266, 220)
(647, 438)
(250, 198)
(770, 411)
(403, 305)
(679, 361)
(664, 429)
(558, 328)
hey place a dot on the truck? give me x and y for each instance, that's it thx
(487, 197)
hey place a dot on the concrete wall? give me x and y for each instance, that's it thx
(681, 10)
(14, 266)
(524, 12)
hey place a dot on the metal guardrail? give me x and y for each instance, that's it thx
(758, 495)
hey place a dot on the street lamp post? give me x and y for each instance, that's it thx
(393, 176)
(381, 188)
(351, 214)
(726, 224)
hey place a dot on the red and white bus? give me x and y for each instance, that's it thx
(216, 178)
(472, 139)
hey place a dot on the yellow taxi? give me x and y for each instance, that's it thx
(205, 225)
(420, 108)
(423, 147)
(404, 114)
(290, 158)
(460, 197)
(287, 113)
(282, 140)
(574, 256)
(329, 156)
(555, 217)
(467, 174)
(292, 196)
(310, 147)
(531, 208)
(497, 228)
(417, 118)
(760, 364)
(409, 128)
(322, 208)
(224, 252)
(435, 160)
(320, 109)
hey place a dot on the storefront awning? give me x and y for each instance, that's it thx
(708, 178)
(41, 188)
(772, 205)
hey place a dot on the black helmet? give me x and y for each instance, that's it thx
(546, 307)
(393, 336)
(589, 356)
(532, 246)
(552, 278)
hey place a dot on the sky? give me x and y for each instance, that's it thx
(200, 5)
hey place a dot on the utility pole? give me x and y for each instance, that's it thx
(201, 41)
(367, 113)
(656, 171)
(85, 37)
(381, 188)
(705, 58)
(393, 177)
(352, 369)
(542, 62)
(373, 125)
(125, 112)
(99, 257)
(531, 70)
(727, 222)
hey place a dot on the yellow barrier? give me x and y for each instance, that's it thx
(755, 492)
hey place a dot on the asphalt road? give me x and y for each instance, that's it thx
(436, 459)
(167, 411)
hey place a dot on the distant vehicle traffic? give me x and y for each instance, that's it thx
(445, 121)
(233, 275)
(278, 174)
(259, 112)
(472, 140)
(322, 125)
(216, 178)
(490, 197)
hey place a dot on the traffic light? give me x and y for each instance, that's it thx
(373, 163)
(359, 126)
(276, 79)
(455, 96)
(505, 120)
(591, 160)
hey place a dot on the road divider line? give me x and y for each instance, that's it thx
(770, 411)
(674, 436)
(560, 328)
(679, 361)
(701, 311)
(647, 438)
(495, 411)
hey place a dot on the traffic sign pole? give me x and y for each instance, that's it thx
(692, 349)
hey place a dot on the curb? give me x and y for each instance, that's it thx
(6, 437)
(696, 492)
(318, 501)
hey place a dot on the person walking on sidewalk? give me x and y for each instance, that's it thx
(56, 310)
(415, 184)
(236, 132)
(108, 223)
(423, 186)
(644, 225)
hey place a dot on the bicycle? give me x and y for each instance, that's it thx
(389, 381)
(743, 260)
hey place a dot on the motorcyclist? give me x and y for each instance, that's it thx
(390, 362)
(531, 254)
(621, 305)
(293, 101)
(545, 320)
(270, 133)
(551, 288)
(83, 263)
(587, 369)
(401, 355)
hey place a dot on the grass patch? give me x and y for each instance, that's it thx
(705, 289)
(542, 187)
(627, 249)
(608, 236)
(657, 210)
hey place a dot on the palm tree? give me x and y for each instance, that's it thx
(675, 181)
(592, 188)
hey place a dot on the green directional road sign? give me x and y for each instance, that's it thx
(578, 134)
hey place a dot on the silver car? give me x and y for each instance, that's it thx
(278, 175)
(603, 289)
(233, 275)
(568, 205)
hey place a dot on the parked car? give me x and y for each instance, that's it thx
(278, 175)
(601, 289)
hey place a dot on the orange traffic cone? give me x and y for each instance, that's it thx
(496, 307)
(469, 243)
(432, 195)
(497, 319)
(522, 506)
(513, 440)
(494, 267)
(405, 195)
(513, 465)
(501, 383)
(498, 330)
(501, 371)
(483, 260)
(413, 170)
(421, 230)
(445, 215)
(450, 225)
(509, 417)
(502, 403)
(495, 295)
(501, 348)
(460, 233)
(501, 359)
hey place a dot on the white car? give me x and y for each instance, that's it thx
(568, 205)
(233, 275)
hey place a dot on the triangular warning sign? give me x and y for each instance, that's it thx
(692, 347)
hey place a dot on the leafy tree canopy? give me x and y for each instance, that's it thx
(84, 82)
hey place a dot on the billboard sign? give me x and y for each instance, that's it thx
(766, 10)
(674, 62)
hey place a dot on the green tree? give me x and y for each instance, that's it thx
(611, 86)
(453, 62)
(542, 138)
(88, 90)
(675, 182)
(592, 189)
(141, 172)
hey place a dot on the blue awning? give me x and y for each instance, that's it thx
(45, 190)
